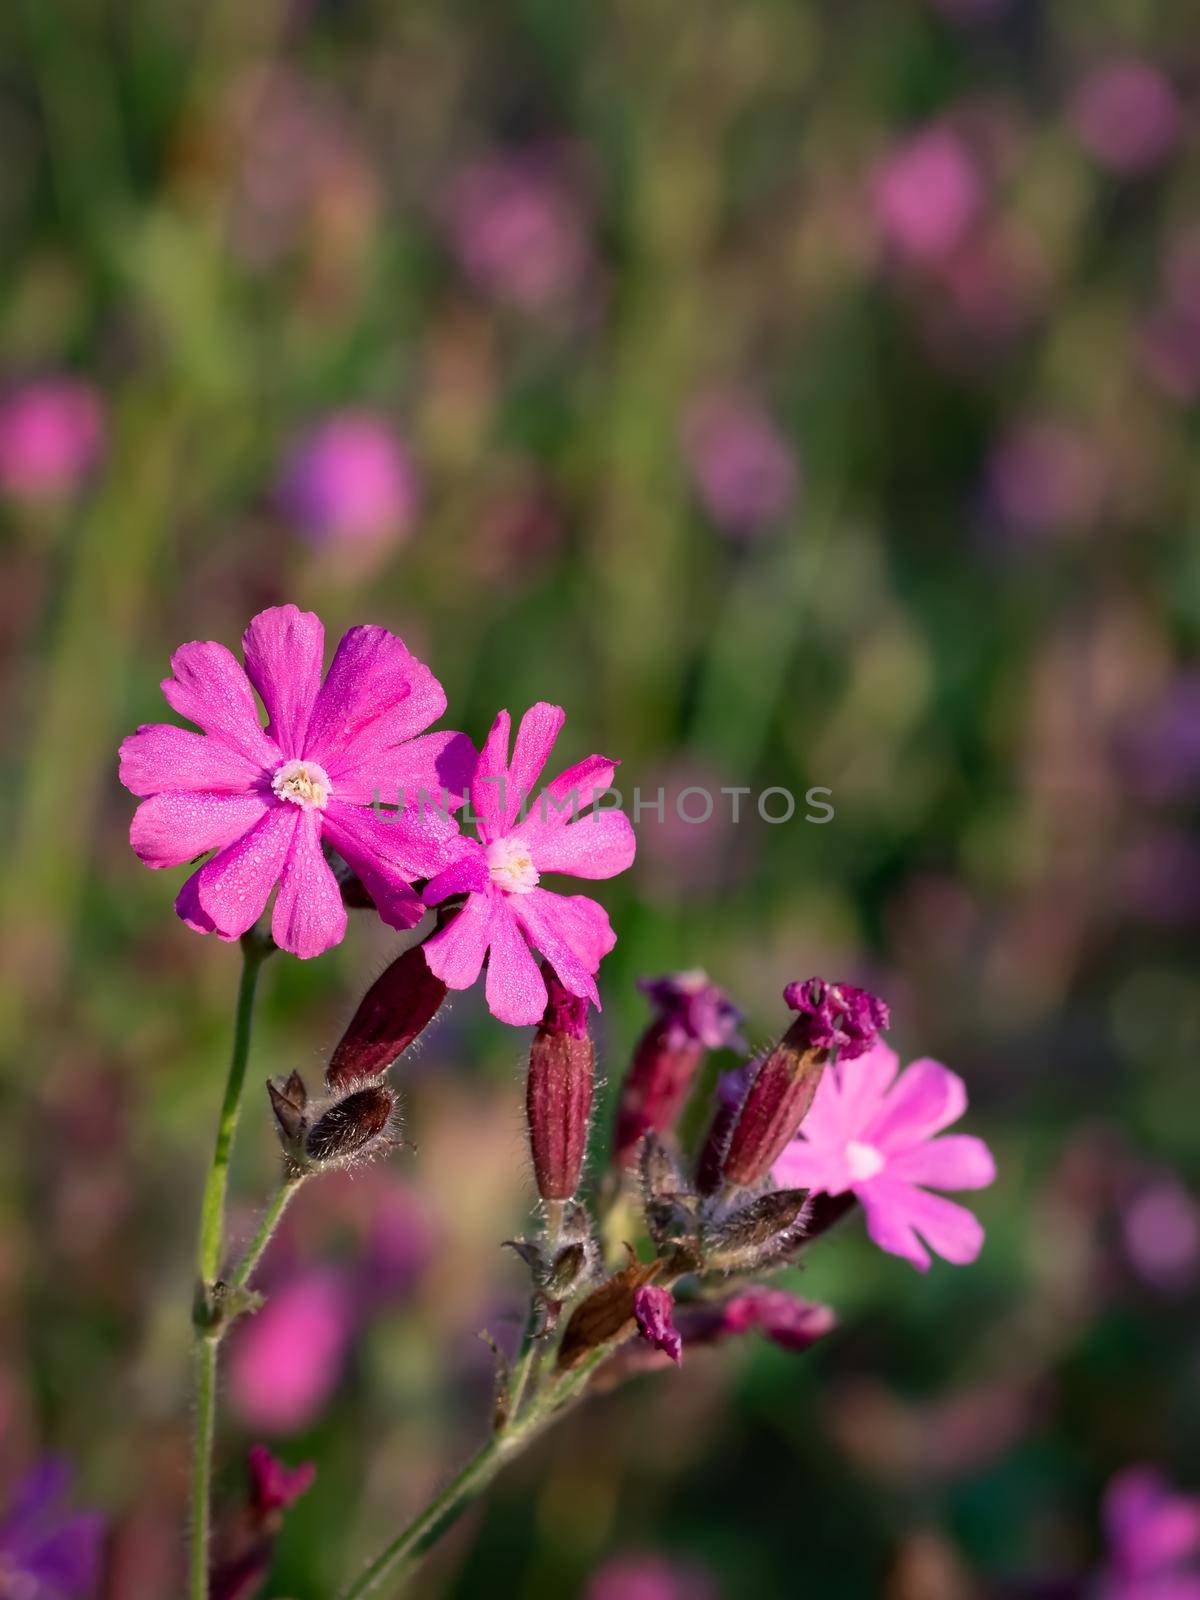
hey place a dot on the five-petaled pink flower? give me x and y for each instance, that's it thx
(872, 1133)
(506, 911)
(266, 801)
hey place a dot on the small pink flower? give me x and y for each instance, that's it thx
(351, 482)
(51, 436)
(517, 226)
(267, 801)
(506, 910)
(927, 194)
(744, 469)
(1153, 1539)
(871, 1133)
(1127, 116)
(654, 1309)
(274, 1487)
(286, 1360)
(649, 1577)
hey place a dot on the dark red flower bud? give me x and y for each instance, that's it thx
(694, 1016)
(653, 1307)
(350, 1127)
(395, 1009)
(558, 1092)
(273, 1487)
(731, 1091)
(832, 1016)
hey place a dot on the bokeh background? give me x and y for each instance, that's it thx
(798, 395)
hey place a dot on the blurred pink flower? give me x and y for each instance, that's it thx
(516, 224)
(784, 1318)
(743, 468)
(1161, 1228)
(649, 1577)
(871, 1133)
(51, 437)
(1153, 1537)
(927, 193)
(267, 801)
(1126, 115)
(287, 1359)
(506, 911)
(351, 481)
(1046, 476)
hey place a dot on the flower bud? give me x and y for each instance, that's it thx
(653, 1308)
(558, 1092)
(694, 1016)
(731, 1091)
(830, 1017)
(607, 1315)
(762, 1233)
(336, 1130)
(395, 1009)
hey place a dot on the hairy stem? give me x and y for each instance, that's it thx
(240, 1277)
(208, 1260)
(398, 1560)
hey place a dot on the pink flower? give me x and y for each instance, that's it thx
(654, 1309)
(1153, 1539)
(506, 911)
(873, 1136)
(744, 470)
(267, 801)
(927, 194)
(1126, 114)
(51, 436)
(351, 482)
(286, 1360)
(517, 226)
(649, 1577)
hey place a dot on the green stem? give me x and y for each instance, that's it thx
(208, 1260)
(280, 1200)
(398, 1559)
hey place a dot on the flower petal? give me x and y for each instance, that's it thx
(284, 650)
(567, 797)
(848, 1096)
(210, 689)
(169, 829)
(189, 910)
(234, 887)
(955, 1161)
(160, 756)
(925, 1098)
(540, 727)
(455, 953)
(436, 767)
(515, 989)
(490, 783)
(553, 932)
(808, 1166)
(375, 696)
(895, 1209)
(414, 844)
(597, 846)
(309, 916)
(468, 875)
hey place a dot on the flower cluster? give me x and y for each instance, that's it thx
(347, 792)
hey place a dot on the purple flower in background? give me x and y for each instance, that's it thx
(1160, 1225)
(1126, 115)
(649, 1577)
(926, 194)
(267, 801)
(517, 226)
(286, 1360)
(744, 470)
(350, 482)
(1153, 1535)
(1161, 751)
(1045, 476)
(51, 437)
(47, 1553)
(693, 1009)
(871, 1133)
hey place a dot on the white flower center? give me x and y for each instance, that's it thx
(863, 1161)
(304, 783)
(511, 866)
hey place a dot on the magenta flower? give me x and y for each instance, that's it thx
(351, 482)
(654, 1310)
(1153, 1539)
(266, 801)
(927, 194)
(517, 225)
(506, 911)
(744, 470)
(286, 1360)
(871, 1133)
(51, 436)
(1127, 116)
